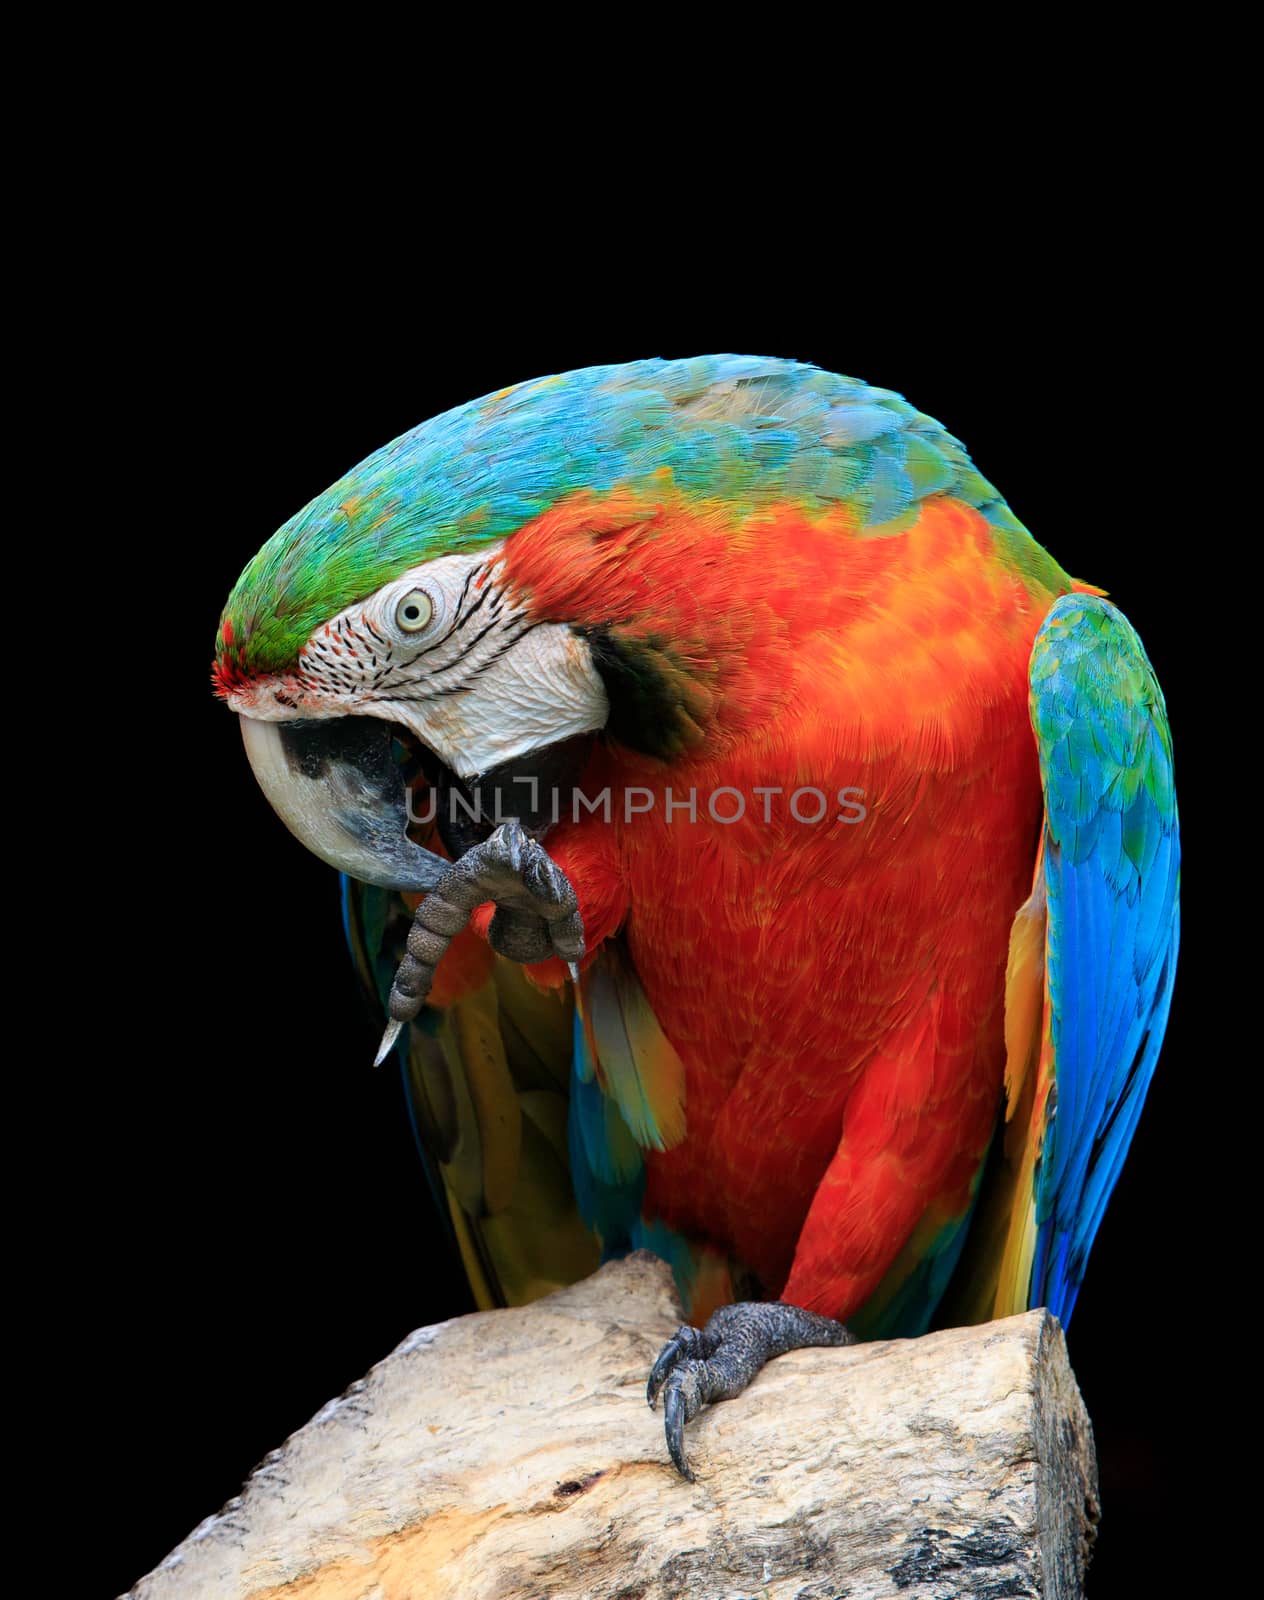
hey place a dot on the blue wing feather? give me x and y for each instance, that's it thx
(1111, 870)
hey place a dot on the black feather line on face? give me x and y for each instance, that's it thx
(653, 707)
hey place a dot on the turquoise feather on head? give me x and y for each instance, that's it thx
(745, 430)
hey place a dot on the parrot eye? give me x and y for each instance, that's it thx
(414, 612)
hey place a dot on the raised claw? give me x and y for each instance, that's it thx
(393, 1031)
(537, 916)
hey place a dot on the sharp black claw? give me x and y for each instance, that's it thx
(658, 1372)
(536, 876)
(686, 1341)
(675, 1415)
(696, 1367)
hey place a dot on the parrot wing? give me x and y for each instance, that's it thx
(487, 1077)
(1091, 963)
(532, 1109)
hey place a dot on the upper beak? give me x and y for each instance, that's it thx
(336, 786)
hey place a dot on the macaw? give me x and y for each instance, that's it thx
(766, 854)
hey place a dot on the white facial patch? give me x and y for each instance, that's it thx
(543, 689)
(442, 651)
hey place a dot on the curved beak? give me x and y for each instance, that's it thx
(335, 785)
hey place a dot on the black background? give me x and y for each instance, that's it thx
(256, 1231)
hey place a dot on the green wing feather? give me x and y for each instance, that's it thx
(488, 1082)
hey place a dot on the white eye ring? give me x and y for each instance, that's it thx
(415, 612)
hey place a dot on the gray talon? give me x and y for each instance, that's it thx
(698, 1366)
(537, 914)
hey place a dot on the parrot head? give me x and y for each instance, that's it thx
(381, 615)
(442, 659)
(501, 584)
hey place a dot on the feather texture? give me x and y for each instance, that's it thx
(746, 430)
(639, 1070)
(1093, 952)
(793, 1038)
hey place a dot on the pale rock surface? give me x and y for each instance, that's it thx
(510, 1455)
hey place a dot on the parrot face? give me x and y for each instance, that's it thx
(445, 651)
(446, 655)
